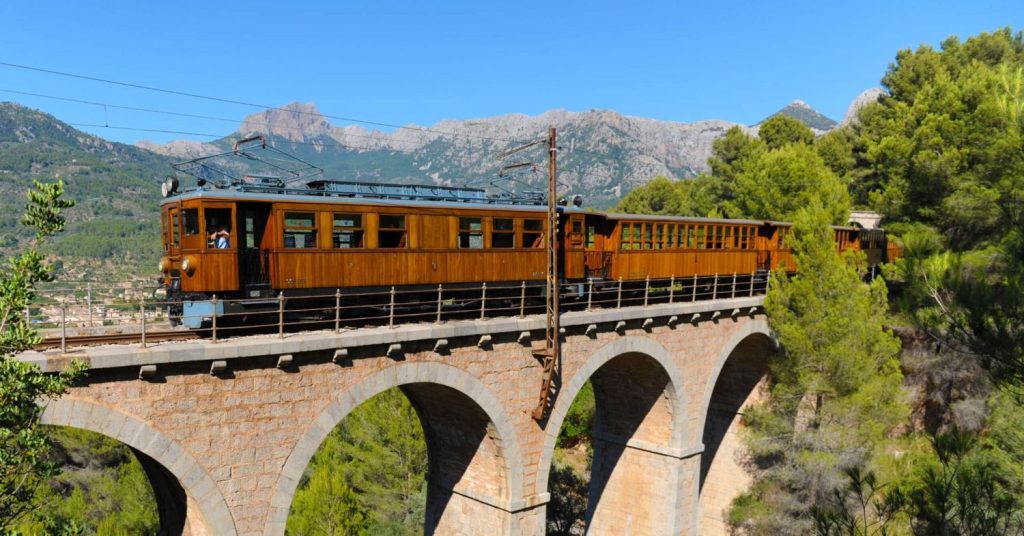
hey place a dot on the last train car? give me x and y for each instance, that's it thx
(250, 241)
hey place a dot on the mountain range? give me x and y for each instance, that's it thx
(602, 155)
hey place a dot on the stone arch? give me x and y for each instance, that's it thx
(737, 380)
(420, 381)
(185, 491)
(627, 451)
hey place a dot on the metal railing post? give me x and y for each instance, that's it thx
(522, 300)
(213, 316)
(142, 315)
(88, 302)
(483, 301)
(439, 292)
(693, 298)
(280, 315)
(618, 299)
(28, 315)
(671, 288)
(733, 285)
(753, 275)
(337, 310)
(647, 289)
(714, 289)
(590, 292)
(391, 309)
(63, 327)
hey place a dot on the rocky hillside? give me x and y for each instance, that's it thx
(604, 154)
(799, 109)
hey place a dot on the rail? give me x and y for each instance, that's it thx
(92, 314)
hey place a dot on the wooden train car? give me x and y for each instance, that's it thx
(254, 240)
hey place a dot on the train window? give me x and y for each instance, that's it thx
(503, 233)
(533, 233)
(647, 236)
(635, 239)
(701, 242)
(190, 221)
(348, 231)
(391, 232)
(299, 230)
(471, 233)
(591, 237)
(659, 235)
(217, 220)
(175, 236)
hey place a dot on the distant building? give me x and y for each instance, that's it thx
(865, 219)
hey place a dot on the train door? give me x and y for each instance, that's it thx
(254, 259)
(598, 260)
(575, 262)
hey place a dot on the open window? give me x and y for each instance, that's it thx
(471, 233)
(533, 233)
(299, 230)
(218, 228)
(503, 233)
(348, 231)
(391, 232)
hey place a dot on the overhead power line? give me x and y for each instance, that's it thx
(183, 114)
(249, 104)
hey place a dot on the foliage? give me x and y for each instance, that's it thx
(836, 389)
(579, 420)
(568, 506)
(370, 472)
(24, 446)
(861, 508)
(781, 130)
(102, 490)
(782, 181)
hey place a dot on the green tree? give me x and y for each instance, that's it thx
(780, 130)
(372, 467)
(835, 394)
(780, 182)
(24, 445)
(733, 153)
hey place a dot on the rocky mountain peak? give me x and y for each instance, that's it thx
(294, 122)
(862, 100)
(802, 111)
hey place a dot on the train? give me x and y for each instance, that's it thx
(252, 241)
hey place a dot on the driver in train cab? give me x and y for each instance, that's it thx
(220, 238)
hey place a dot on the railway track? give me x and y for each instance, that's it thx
(115, 338)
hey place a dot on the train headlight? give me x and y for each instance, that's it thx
(188, 265)
(165, 264)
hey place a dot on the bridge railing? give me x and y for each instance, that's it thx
(72, 314)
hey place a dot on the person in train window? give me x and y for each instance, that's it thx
(220, 238)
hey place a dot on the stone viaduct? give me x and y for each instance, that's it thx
(225, 430)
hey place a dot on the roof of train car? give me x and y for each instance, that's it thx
(234, 195)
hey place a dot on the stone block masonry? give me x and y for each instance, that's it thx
(238, 441)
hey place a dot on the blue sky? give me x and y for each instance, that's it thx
(420, 62)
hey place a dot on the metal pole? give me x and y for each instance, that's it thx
(590, 292)
(671, 289)
(337, 310)
(618, 299)
(483, 300)
(693, 298)
(522, 300)
(28, 316)
(647, 289)
(213, 322)
(63, 327)
(88, 302)
(733, 285)
(142, 314)
(753, 275)
(439, 291)
(391, 309)
(552, 350)
(714, 289)
(280, 315)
